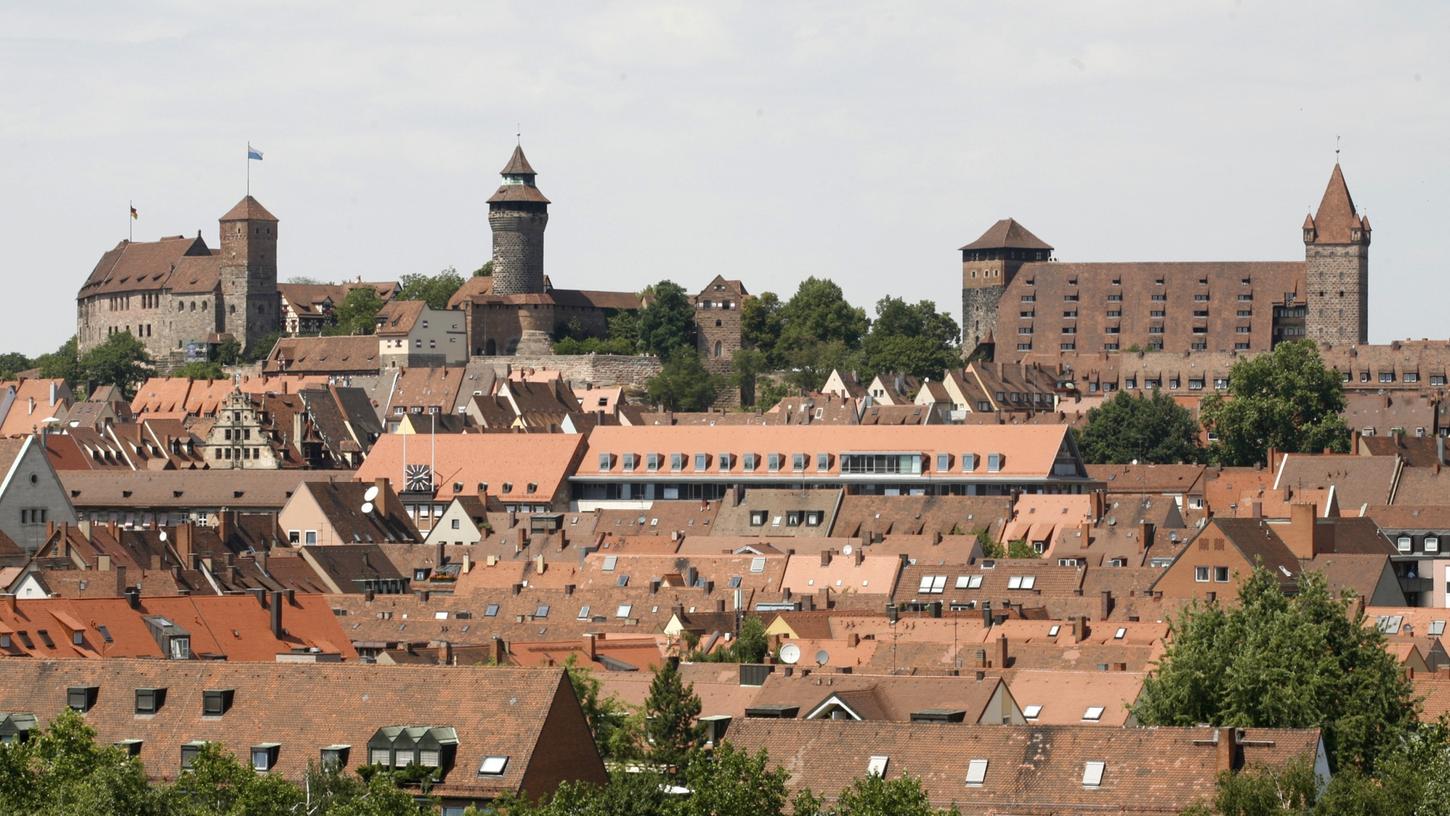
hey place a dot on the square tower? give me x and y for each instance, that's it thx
(1336, 268)
(248, 270)
(988, 265)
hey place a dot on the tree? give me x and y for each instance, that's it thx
(818, 329)
(732, 782)
(671, 710)
(254, 352)
(606, 715)
(1286, 400)
(748, 646)
(747, 363)
(1152, 429)
(12, 363)
(218, 785)
(913, 339)
(760, 324)
(683, 384)
(872, 795)
(121, 361)
(200, 371)
(63, 771)
(485, 271)
(304, 280)
(63, 363)
(357, 314)
(435, 290)
(667, 322)
(1017, 548)
(1283, 662)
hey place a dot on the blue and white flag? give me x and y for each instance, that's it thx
(254, 153)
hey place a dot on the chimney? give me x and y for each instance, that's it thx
(133, 597)
(184, 549)
(1001, 651)
(1105, 609)
(987, 614)
(1226, 742)
(1145, 535)
(539, 564)
(591, 646)
(654, 586)
(1079, 629)
(380, 504)
(438, 557)
(224, 521)
(1299, 534)
(500, 651)
(1440, 449)
(825, 558)
(445, 653)
(1256, 508)
(11, 606)
(120, 580)
(860, 556)
(277, 615)
(981, 658)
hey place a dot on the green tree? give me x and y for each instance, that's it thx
(819, 331)
(485, 271)
(732, 782)
(683, 384)
(747, 364)
(357, 314)
(606, 715)
(1152, 429)
(1281, 661)
(748, 646)
(671, 709)
(63, 363)
(256, 351)
(667, 322)
(910, 338)
(121, 361)
(760, 324)
(200, 370)
(229, 352)
(640, 793)
(304, 280)
(873, 796)
(1286, 400)
(63, 771)
(435, 290)
(12, 363)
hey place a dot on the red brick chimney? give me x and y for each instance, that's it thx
(184, 548)
(1001, 651)
(825, 558)
(591, 646)
(1299, 534)
(1226, 741)
(380, 504)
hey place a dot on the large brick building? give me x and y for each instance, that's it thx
(177, 294)
(1017, 300)
(517, 310)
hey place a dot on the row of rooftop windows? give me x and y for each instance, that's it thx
(1092, 770)
(858, 463)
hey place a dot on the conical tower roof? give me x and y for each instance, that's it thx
(1336, 217)
(518, 164)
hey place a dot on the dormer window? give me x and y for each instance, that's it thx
(264, 756)
(81, 698)
(216, 702)
(149, 700)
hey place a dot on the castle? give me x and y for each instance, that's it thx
(178, 296)
(1018, 302)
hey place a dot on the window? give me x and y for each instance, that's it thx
(149, 700)
(334, 756)
(932, 585)
(1093, 714)
(994, 462)
(490, 611)
(1053, 630)
(189, 753)
(631, 461)
(969, 462)
(1432, 544)
(264, 756)
(583, 613)
(493, 766)
(1437, 628)
(216, 702)
(623, 611)
(1403, 543)
(798, 462)
(823, 461)
(542, 610)
(677, 461)
(702, 462)
(1032, 712)
(1200, 574)
(726, 460)
(1220, 575)
(876, 766)
(652, 462)
(757, 564)
(1092, 774)
(81, 698)
(976, 772)
(610, 562)
(757, 518)
(750, 462)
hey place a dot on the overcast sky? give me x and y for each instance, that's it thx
(765, 141)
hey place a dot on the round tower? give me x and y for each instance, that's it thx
(517, 214)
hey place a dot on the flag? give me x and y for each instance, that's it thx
(254, 153)
(134, 214)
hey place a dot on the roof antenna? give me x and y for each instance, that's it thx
(519, 135)
(1336, 149)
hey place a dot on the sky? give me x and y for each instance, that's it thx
(764, 141)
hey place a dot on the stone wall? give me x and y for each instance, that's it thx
(600, 370)
(518, 249)
(979, 317)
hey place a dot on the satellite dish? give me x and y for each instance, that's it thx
(367, 507)
(790, 654)
(823, 657)
(161, 535)
(371, 494)
(846, 550)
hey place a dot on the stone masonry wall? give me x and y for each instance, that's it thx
(518, 251)
(979, 317)
(601, 370)
(1337, 279)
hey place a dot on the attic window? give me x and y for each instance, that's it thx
(652, 462)
(1053, 630)
(1092, 774)
(606, 460)
(334, 756)
(541, 611)
(932, 585)
(216, 702)
(631, 461)
(1032, 712)
(757, 565)
(149, 700)
(1121, 633)
(264, 756)
(823, 462)
(876, 766)
(490, 611)
(798, 462)
(969, 462)
(81, 698)
(610, 561)
(976, 773)
(1437, 628)
(943, 462)
(969, 582)
(1093, 714)
(994, 462)
(583, 613)
(702, 462)
(493, 766)
(751, 461)
(623, 611)
(727, 461)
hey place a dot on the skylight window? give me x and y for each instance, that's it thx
(1092, 774)
(876, 766)
(1093, 714)
(1032, 712)
(1029, 581)
(1437, 627)
(493, 766)
(1121, 633)
(610, 561)
(583, 612)
(757, 564)
(490, 611)
(623, 611)
(1053, 630)
(976, 773)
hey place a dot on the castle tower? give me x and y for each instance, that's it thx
(517, 214)
(988, 266)
(249, 302)
(1336, 268)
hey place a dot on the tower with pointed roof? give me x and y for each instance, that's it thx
(517, 215)
(248, 273)
(1336, 268)
(988, 265)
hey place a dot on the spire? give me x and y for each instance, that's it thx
(518, 164)
(1336, 221)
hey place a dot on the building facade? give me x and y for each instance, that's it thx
(1017, 301)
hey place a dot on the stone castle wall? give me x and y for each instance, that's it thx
(518, 251)
(1337, 280)
(601, 370)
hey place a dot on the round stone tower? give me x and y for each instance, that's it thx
(517, 214)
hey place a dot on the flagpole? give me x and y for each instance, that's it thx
(249, 169)
(130, 221)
